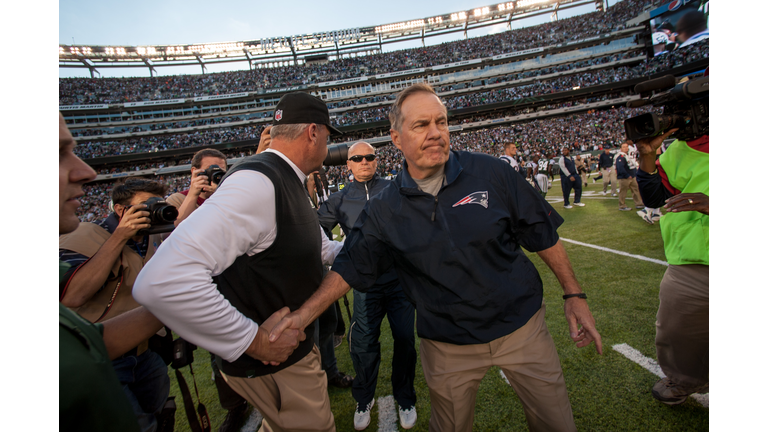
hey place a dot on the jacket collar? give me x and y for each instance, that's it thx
(406, 183)
(369, 182)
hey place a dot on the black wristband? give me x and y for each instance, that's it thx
(579, 295)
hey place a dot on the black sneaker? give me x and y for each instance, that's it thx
(340, 380)
(234, 419)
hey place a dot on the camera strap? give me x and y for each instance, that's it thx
(204, 424)
(117, 288)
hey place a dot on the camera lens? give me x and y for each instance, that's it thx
(167, 213)
(216, 177)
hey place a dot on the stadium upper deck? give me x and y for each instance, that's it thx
(300, 49)
(559, 35)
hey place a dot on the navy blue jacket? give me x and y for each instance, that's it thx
(344, 207)
(606, 160)
(622, 168)
(458, 254)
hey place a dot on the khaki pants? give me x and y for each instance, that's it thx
(609, 174)
(294, 399)
(629, 183)
(528, 359)
(682, 325)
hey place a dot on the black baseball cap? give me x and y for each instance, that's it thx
(300, 107)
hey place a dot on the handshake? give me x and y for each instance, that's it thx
(277, 337)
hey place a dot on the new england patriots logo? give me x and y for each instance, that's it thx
(480, 197)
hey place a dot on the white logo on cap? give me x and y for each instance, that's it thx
(278, 115)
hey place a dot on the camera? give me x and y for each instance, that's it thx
(214, 174)
(339, 153)
(685, 104)
(183, 353)
(161, 216)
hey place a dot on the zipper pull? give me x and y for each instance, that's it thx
(434, 210)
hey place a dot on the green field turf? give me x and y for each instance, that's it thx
(608, 392)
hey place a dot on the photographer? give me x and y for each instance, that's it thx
(201, 187)
(679, 181)
(104, 260)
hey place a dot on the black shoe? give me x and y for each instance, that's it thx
(235, 419)
(340, 380)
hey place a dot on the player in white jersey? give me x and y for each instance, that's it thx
(540, 166)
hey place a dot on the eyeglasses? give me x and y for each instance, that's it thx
(359, 158)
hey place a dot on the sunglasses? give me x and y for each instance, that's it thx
(359, 158)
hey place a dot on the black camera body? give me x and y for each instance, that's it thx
(214, 174)
(183, 353)
(686, 107)
(161, 216)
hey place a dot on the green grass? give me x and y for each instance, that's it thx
(608, 392)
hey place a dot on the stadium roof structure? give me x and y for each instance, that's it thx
(297, 49)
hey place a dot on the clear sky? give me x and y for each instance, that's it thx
(153, 22)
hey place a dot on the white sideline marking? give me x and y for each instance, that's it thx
(253, 423)
(504, 377)
(651, 366)
(605, 249)
(387, 414)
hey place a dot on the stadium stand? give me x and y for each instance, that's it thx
(568, 91)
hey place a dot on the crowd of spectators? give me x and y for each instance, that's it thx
(120, 90)
(580, 132)
(93, 149)
(586, 79)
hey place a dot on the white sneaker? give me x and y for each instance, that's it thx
(614, 194)
(568, 206)
(579, 204)
(643, 214)
(407, 417)
(656, 217)
(363, 417)
(605, 193)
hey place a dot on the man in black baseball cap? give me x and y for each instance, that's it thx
(264, 245)
(302, 108)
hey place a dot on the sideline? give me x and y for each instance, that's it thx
(651, 366)
(617, 252)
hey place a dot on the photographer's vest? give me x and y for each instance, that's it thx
(86, 240)
(285, 274)
(686, 234)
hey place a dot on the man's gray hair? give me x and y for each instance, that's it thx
(288, 132)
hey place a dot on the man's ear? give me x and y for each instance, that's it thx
(395, 135)
(313, 131)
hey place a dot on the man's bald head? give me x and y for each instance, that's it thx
(360, 148)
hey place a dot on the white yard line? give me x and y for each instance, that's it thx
(387, 414)
(617, 252)
(253, 423)
(651, 366)
(504, 377)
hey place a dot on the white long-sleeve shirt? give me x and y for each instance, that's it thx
(176, 284)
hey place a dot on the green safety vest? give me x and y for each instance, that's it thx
(686, 234)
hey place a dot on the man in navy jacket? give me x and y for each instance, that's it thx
(452, 226)
(384, 297)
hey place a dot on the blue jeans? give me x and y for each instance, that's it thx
(146, 383)
(365, 349)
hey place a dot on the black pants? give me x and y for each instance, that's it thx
(365, 348)
(228, 398)
(568, 185)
